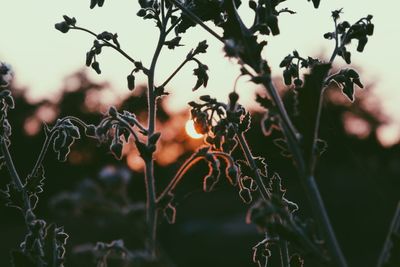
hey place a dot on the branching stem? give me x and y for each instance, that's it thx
(14, 175)
(250, 160)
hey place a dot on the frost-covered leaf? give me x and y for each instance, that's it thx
(34, 183)
(244, 168)
(11, 197)
(261, 166)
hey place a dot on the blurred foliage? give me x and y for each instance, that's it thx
(98, 198)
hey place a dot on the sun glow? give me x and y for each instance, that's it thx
(190, 130)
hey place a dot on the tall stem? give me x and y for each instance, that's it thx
(283, 247)
(321, 215)
(151, 208)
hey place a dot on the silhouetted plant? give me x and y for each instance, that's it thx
(223, 124)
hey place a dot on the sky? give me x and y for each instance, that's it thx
(42, 57)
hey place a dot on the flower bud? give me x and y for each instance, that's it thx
(131, 82)
(89, 57)
(69, 21)
(347, 57)
(93, 3)
(253, 4)
(96, 67)
(361, 43)
(116, 150)
(370, 29)
(112, 111)
(62, 27)
(141, 13)
(287, 77)
(233, 97)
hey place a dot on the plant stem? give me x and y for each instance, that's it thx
(284, 250)
(178, 176)
(321, 215)
(250, 159)
(14, 174)
(175, 72)
(42, 152)
(151, 208)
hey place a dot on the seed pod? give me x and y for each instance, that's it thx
(233, 97)
(62, 27)
(69, 21)
(131, 82)
(89, 57)
(141, 13)
(93, 3)
(287, 77)
(328, 35)
(361, 43)
(253, 4)
(96, 67)
(347, 57)
(370, 29)
(112, 111)
(116, 150)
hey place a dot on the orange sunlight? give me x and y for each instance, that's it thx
(191, 131)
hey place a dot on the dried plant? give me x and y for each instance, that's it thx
(224, 126)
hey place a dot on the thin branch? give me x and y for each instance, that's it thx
(179, 175)
(319, 211)
(174, 73)
(250, 160)
(122, 52)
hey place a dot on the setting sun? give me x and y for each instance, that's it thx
(189, 127)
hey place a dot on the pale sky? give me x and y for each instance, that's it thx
(42, 57)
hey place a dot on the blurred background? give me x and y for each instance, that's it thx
(98, 198)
